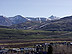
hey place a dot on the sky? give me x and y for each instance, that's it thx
(36, 8)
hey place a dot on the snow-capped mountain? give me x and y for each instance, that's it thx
(53, 17)
(17, 19)
(20, 19)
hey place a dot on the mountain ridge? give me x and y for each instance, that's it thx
(8, 21)
(63, 24)
(29, 23)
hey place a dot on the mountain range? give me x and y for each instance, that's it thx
(8, 21)
(52, 23)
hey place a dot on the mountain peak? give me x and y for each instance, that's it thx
(18, 16)
(2, 16)
(52, 17)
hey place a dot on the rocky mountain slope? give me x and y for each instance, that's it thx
(17, 19)
(5, 21)
(8, 21)
(64, 24)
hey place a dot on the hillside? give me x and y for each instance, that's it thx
(5, 21)
(26, 25)
(29, 25)
(13, 34)
(64, 24)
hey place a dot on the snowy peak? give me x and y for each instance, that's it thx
(53, 17)
(17, 19)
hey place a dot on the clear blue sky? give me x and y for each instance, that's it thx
(36, 8)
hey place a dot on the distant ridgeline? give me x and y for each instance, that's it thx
(7, 21)
(52, 23)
